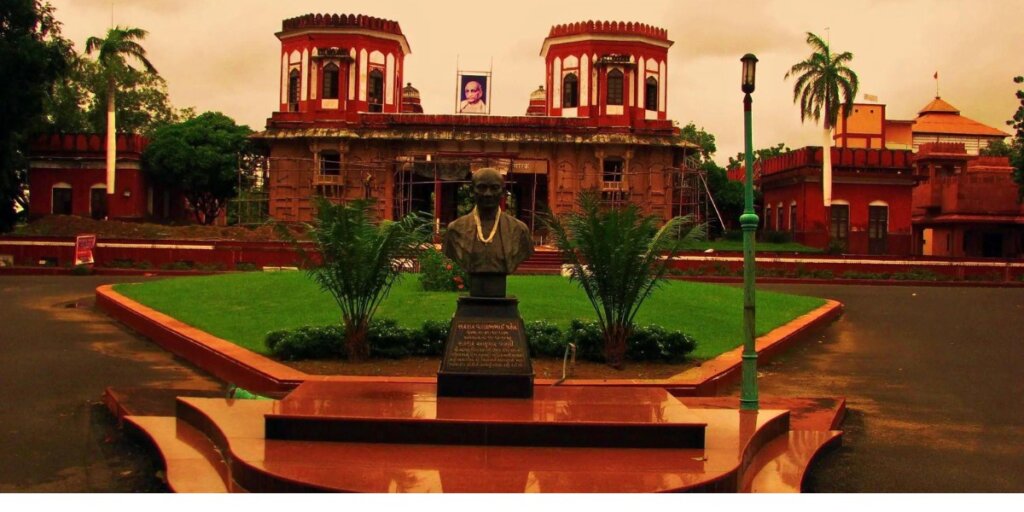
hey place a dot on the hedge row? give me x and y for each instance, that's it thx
(389, 340)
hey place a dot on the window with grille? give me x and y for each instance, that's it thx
(614, 87)
(651, 93)
(331, 74)
(375, 91)
(570, 91)
(330, 163)
(613, 168)
(839, 227)
(294, 82)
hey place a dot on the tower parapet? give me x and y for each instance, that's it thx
(612, 71)
(608, 27)
(338, 65)
(341, 20)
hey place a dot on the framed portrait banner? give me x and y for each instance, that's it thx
(474, 93)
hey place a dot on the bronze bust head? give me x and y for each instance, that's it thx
(488, 240)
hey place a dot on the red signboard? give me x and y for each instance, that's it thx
(84, 245)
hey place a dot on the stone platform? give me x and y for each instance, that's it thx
(401, 437)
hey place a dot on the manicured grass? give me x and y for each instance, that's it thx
(243, 307)
(737, 246)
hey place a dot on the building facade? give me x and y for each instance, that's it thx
(346, 130)
(942, 199)
(67, 176)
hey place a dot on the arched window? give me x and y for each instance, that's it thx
(98, 201)
(614, 96)
(375, 91)
(651, 93)
(293, 90)
(331, 74)
(792, 217)
(570, 91)
(839, 223)
(60, 203)
(330, 163)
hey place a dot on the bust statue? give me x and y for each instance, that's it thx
(487, 241)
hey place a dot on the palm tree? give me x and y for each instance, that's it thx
(121, 42)
(823, 84)
(619, 257)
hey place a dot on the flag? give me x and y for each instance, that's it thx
(936, 75)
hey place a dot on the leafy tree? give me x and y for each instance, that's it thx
(360, 260)
(617, 258)
(120, 44)
(824, 83)
(33, 55)
(79, 103)
(201, 158)
(702, 139)
(1017, 146)
(997, 148)
(759, 155)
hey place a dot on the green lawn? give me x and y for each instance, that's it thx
(243, 307)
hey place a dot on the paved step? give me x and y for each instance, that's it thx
(193, 464)
(780, 466)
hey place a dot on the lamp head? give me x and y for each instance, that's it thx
(749, 71)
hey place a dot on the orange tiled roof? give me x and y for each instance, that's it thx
(939, 116)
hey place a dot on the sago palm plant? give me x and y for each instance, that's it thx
(619, 256)
(359, 260)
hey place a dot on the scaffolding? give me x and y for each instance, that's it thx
(692, 196)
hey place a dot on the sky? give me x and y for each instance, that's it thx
(223, 56)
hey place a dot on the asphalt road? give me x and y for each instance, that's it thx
(57, 355)
(934, 381)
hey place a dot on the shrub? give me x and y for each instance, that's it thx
(178, 265)
(245, 266)
(835, 246)
(389, 340)
(440, 274)
(545, 339)
(588, 337)
(655, 343)
(81, 270)
(143, 265)
(310, 342)
(735, 235)
(777, 237)
(917, 274)
(433, 337)
(121, 263)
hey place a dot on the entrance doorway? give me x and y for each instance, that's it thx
(878, 229)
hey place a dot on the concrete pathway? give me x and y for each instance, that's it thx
(934, 379)
(57, 355)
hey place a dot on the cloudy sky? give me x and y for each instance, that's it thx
(222, 55)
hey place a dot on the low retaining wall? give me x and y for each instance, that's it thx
(258, 373)
(216, 255)
(862, 268)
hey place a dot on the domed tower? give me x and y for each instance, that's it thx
(538, 103)
(613, 71)
(411, 100)
(337, 63)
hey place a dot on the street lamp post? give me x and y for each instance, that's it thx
(748, 222)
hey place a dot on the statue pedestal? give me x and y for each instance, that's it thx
(486, 354)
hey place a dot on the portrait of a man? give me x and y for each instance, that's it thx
(473, 94)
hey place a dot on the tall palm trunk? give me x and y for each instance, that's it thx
(111, 144)
(826, 165)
